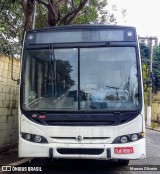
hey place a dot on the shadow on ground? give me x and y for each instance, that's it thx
(77, 166)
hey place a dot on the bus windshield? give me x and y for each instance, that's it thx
(99, 78)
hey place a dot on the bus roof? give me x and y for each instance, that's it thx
(82, 26)
(80, 34)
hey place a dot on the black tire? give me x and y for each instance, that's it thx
(123, 162)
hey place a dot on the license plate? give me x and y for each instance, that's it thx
(123, 150)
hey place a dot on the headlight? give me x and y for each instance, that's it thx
(34, 138)
(37, 138)
(124, 139)
(134, 137)
(128, 138)
(28, 137)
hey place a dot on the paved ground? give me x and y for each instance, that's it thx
(92, 166)
(153, 149)
(9, 157)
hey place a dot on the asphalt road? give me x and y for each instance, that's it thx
(153, 151)
(102, 167)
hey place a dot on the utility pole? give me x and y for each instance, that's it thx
(150, 41)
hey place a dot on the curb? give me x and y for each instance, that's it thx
(158, 130)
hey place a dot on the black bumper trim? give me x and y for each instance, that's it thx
(51, 152)
(108, 153)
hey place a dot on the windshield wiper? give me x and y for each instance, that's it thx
(116, 88)
(113, 87)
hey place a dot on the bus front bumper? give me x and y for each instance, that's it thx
(83, 151)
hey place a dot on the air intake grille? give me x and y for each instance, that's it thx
(80, 151)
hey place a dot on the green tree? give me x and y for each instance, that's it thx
(11, 24)
(73, 12)
(17, 16)
(145, 56)
(156, 67)
(62, 12)
(145, 52)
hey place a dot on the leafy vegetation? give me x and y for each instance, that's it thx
(145, 56)
(153, 125)
(17, 16)
(156, 66)
(11, 24)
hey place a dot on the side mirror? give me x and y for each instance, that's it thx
(17, 80)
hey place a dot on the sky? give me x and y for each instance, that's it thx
(142, 14)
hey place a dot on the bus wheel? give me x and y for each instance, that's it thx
(123, 162)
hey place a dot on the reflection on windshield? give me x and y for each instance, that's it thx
(50, 79)
(108, 79)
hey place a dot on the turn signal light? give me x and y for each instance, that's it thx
(142, 134)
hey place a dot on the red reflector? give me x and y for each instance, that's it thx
(123, 150)
(42, 116)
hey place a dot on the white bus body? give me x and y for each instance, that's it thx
(81, 94)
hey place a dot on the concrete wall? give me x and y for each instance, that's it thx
(8, 103)
(155, 105)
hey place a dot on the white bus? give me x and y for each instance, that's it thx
(81, 94)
